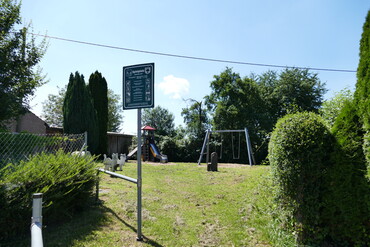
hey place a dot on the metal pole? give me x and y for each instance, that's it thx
(226, 131)
(249, 146)
(203, 147)
(36, 221)
(85, 140)
(117, 175)
(207, 157)
(97, 187)
(139, 180)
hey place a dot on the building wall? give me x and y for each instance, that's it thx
(119, 143)
(28, 122)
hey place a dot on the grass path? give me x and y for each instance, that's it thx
(183, 205)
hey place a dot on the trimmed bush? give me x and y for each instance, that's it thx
(66, 181)
(299, 154)
(321, 178)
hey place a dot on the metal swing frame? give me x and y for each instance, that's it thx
(206, 144)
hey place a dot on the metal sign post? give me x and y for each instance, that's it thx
(138, 92)
(139, 179)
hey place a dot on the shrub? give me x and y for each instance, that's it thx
(299, 154)
(66, 181)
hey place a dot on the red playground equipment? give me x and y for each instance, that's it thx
(149, 151)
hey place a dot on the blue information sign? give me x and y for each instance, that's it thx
(138, 86)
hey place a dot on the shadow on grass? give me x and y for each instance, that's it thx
(79, 227)
(64, 234)
(146, 239)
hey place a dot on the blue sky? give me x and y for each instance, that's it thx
(304, 33)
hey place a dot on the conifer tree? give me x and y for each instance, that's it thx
(362, 93)
(99, 94)
(79, 114)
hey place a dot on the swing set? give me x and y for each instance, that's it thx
(236, 155)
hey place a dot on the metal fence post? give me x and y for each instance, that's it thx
(85, 141)
(36, 221)
(97, 187)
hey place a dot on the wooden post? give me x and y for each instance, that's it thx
(213, 166)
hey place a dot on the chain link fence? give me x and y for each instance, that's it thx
(15, 147)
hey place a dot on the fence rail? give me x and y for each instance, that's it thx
(15, 147)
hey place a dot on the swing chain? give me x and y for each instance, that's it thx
(232, 146)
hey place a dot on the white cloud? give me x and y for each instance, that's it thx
(173, 86)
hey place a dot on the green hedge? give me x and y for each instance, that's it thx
(299, 151)
(66, 181)
(321, 179)
(349, 212)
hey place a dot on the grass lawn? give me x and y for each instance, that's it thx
(183, 205)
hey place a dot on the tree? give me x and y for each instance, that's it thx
(161, 119)
(190, 139)
(99, 94)
(79, 114)
(52, 110)
(114, 112)
(258, 102)
(196, 118)
(362, 93)
(298, 89)
(331, 108)
(293, 90)
(236, 103)
(19, 55)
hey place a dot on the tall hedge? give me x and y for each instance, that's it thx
(362, 93)
(320, 176)
(299, 154)
(99, 93)
(349, 196)
(79, 114)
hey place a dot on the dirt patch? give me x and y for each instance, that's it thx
(227, 165)
(211, 235)
(151, 163)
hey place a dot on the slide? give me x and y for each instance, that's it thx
(129, 156)
(155, 151)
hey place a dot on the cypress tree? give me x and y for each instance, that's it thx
(99, 93)
(79, 114)
(362, 93)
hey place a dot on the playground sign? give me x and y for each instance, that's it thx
(138, 86)
(138, 93)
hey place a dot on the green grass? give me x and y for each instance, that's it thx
(183, 205)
